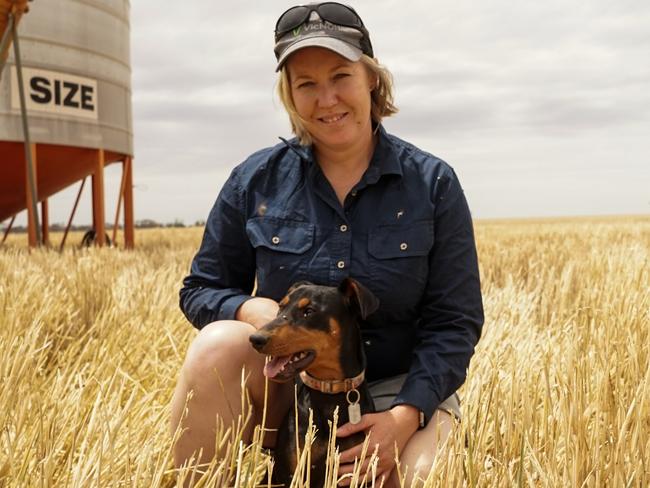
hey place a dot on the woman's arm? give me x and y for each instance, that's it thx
(222, 273)
(451, 314)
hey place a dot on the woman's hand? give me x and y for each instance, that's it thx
(388, 430)
(257, 311)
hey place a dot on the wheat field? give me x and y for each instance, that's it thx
(558, 392)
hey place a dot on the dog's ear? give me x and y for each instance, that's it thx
(359, 296)
(298, 284)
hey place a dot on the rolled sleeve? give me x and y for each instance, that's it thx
(222, 273)
(451, 312)
(230, 305)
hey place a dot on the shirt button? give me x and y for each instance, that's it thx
(275, 240)
(403, 246)
(341, 264)
(343, 228)
(354, 193)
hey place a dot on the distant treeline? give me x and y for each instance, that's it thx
(139, 224)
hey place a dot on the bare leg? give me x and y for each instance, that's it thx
(423, 448)
(212, 372)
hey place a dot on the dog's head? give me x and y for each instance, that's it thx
(313, 328)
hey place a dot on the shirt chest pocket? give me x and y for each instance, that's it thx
(399, 259)
(281, 250)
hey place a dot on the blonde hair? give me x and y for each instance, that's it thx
(381, 97)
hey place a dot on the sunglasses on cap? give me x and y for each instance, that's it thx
(332, 12)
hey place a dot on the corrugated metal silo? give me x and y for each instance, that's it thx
(77, 80)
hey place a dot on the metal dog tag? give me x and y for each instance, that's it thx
(354, 409)
(354, 413)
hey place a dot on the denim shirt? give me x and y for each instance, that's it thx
(404, 232)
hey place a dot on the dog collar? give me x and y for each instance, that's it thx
(333, 386)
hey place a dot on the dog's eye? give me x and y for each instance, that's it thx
(308, 311)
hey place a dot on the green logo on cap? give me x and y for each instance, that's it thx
(296, 31)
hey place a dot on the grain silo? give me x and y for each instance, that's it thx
(76, 74)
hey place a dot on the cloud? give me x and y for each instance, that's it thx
(517, 95)
(504, 90)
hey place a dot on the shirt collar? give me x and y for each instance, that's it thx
(384, 161)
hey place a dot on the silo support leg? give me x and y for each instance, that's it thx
(74, 210)
(33, 231)
(8, 229)
(99, 215)
(45, 222)
(120, 196)
(129, 233)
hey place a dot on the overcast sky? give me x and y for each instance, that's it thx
(542, 108)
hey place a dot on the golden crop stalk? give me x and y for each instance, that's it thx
(558, 393)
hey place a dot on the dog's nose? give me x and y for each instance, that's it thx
(258, 340)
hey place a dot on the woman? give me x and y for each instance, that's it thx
(343, 199)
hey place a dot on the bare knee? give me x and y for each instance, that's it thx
(212, 368)
(219, 350)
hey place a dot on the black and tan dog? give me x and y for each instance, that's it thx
(316, 335)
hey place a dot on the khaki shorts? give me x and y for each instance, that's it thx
(385, 390)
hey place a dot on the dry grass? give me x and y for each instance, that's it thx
(558, 392)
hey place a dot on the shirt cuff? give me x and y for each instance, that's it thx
(229, 306)
(418, 393)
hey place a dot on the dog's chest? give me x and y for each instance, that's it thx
(321, 408)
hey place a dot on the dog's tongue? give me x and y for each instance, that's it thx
(274, 366)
